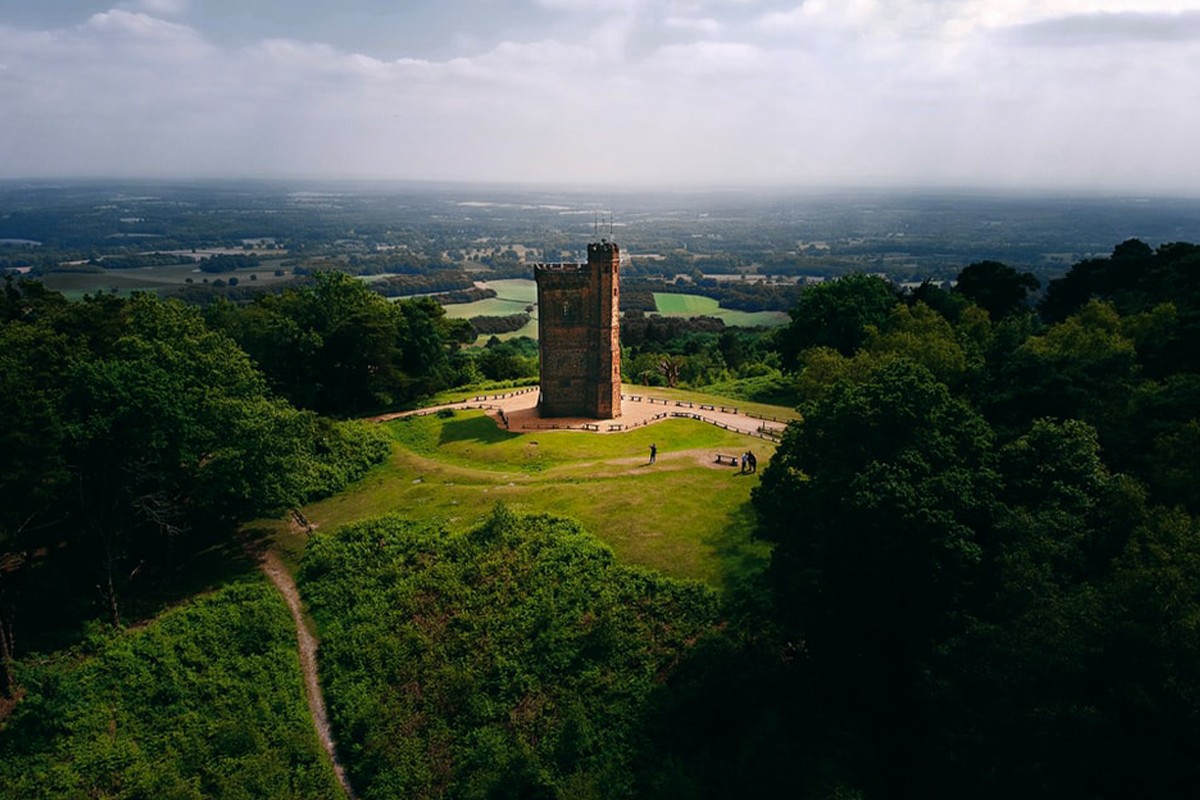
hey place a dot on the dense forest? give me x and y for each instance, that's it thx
(138, 431)
(985, 576)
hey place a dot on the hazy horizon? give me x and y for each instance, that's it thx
(1041, 96)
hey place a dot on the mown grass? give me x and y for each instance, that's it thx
(681, 516)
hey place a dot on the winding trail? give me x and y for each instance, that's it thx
(279, 575)
(518, 410)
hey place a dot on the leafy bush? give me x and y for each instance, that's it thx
(505, 324)
(206, 702)
(511, 661)
(344, 453)
(228, 262)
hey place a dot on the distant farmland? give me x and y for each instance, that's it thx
(671, 304)
(514, 295)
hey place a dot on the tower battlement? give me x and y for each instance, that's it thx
(579, 335)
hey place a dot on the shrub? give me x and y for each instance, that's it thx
(514, 660)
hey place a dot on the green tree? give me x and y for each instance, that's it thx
(336, 347)
(1082, 368)
(923, 336)
(1075, 676)
(146, 420)
(874, 503)
(822, 368)
(135, 431)
(947, 303)
(835, 314)
(33, 471)
(996, 288)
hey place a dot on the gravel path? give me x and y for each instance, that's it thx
(277, 572)
(520, 411)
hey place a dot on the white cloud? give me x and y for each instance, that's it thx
(702, 92)
(976, 15)
(705, 26)
(151, 36)
(1109, 28)
(169, 8)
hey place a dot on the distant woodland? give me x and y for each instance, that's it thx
(984, 581)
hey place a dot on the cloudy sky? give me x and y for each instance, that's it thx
(1061, 94)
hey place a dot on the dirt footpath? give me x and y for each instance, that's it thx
(282, 579)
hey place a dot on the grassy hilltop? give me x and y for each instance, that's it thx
(683, 516)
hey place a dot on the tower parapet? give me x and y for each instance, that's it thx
(579, 335)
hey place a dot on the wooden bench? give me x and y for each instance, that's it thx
(733, 460)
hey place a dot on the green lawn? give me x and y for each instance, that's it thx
(679, 516)
(671, 304)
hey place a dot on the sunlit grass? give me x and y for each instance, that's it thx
(680, 516)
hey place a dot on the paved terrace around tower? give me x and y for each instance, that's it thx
(517, 411)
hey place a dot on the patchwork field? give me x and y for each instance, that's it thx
(512, 297)
(671, 304)
(515, 295)
(152, 279)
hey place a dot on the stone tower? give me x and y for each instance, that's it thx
(579, 335)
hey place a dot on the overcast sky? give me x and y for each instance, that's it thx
(1062, 94)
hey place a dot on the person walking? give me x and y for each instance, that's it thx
(653, 452)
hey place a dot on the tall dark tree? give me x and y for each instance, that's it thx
(338, 348)
(34, 473)
(1127, 274)
(133, 425)
(947, 303)
(1082, 368)
(1076, 676)
(170, 401)
(996, 288)
(874, 504)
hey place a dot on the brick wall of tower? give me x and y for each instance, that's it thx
(579, 335)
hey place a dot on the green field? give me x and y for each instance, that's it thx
(153, 279)
(512, 297)
(671, 304)
(681, 516)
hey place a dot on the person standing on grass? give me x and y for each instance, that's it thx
(753, 460)
(653, 452)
